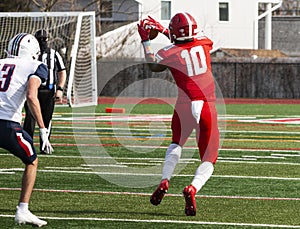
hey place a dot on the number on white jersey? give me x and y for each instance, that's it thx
(5, 76)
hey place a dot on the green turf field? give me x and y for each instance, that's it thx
(105, 168)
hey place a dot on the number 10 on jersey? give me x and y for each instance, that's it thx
(195, 60)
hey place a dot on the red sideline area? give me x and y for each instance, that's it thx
(133, 100)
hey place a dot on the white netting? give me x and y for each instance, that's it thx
(73, 35)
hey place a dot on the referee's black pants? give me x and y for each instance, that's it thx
(47, 102)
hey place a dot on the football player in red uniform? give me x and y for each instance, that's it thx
(188, 59)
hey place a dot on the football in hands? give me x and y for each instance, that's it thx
(153, 34)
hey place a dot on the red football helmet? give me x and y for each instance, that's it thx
(182, 27)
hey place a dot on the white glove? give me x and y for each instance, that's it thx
(46, 146)
(196, 109)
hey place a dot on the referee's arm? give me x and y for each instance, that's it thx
(61, 78)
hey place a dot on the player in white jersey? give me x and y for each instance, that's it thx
(20, 77)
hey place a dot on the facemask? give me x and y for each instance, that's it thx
(43, 46)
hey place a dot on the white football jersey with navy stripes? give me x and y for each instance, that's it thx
(14, 76)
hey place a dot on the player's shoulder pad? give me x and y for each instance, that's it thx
(42, 72)
(166, 50)
(204, 40)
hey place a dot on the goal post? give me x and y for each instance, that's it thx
(72, 34)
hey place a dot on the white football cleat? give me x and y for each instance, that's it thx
(26, 217)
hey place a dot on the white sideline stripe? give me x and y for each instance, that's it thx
(185, 148)
(168, 131)
(285, 155)
(167, 118)
(233, 116)
(263, 132)
(152, 174)
(236, 159)
(222, 160)
(260, 162)
(67, 168)
(264, 157)
(163, 221)
(257, 177)
(262, 150)
(149, 194)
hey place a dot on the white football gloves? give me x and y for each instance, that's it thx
(46, 146)
(196, 109)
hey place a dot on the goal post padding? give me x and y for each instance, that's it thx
(72, 34)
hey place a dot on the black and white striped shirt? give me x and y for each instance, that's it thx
(55, 64)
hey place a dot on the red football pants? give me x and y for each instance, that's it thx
(207, 132)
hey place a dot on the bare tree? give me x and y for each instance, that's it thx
(109, 14)
(14, 6)
(105, 11)
(53, 5)
(290, 7)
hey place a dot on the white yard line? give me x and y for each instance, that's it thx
(56, 170)
(187, 160)
(164, 221)
(165, 130)
(149, 194)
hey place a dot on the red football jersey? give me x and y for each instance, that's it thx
(190, 65)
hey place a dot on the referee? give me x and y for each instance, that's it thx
(49, 92)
